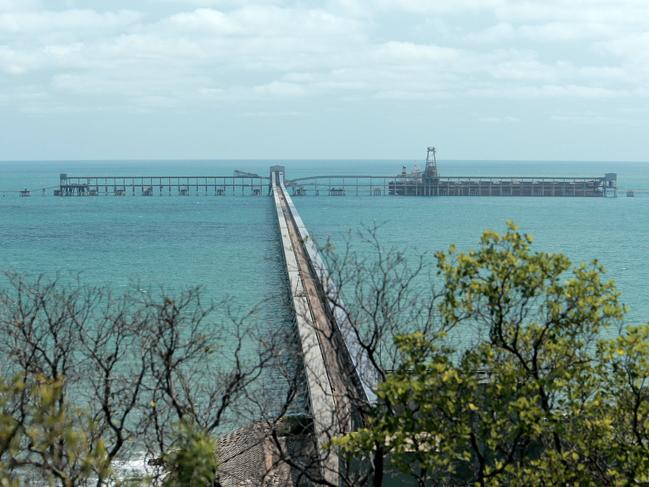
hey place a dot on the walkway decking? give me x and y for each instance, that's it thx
(331, 369)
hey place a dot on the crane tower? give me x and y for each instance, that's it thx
(430, 173)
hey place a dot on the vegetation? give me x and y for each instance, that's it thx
(545, 387)
(90, 379)
(193, 460)
(38, 431)
(541, 398)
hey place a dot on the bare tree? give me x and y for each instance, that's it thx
(198, 367)
(129, 370)
(379, 293)
(40, 326)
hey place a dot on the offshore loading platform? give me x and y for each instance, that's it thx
(416, 183)
(429, 183)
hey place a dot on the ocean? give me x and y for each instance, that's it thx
(230, 247)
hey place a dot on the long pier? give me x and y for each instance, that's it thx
(415, 185)
(332, 357)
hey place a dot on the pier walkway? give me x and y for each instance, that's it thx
(332, 357)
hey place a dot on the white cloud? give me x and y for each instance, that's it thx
(28, 22)
(591, 11)
(217, 51)
(549, 91)
(632, 47)
(209, 20)
(17, 5)
(439, 6)
(408, 52)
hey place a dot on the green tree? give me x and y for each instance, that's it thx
(192, 460)
(39, 433)
(540, 396)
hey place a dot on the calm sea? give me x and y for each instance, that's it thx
(229, 245)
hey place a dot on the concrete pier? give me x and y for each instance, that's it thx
(308, 319)
(330, 362)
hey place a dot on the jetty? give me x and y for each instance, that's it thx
(414, 183)
(338, 379)
(240, 184)
(332, 357)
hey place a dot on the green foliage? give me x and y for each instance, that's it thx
(192, 460)
(41, 432)
(9, 430)
(628, 422)
(541, 399)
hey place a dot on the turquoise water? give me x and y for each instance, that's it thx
(227, 245)
(230, 245)
(613, 230)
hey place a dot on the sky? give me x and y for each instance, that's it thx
(281, 79)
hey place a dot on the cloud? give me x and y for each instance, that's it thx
(208, 20)
(408, 52)
(28, 22)
(439, 6)
(220, 51)
(17, 5)
(544, 32)
(549, 91)
(589, 11)
(632, 47)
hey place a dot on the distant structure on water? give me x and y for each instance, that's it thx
(428, 182)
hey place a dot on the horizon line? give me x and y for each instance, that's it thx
(295, 159)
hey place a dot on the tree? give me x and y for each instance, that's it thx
(38, 432)
(101, 378)
(539, 396)
(383, 296)
(193, 459)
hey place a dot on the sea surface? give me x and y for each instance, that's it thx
(230, 246)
